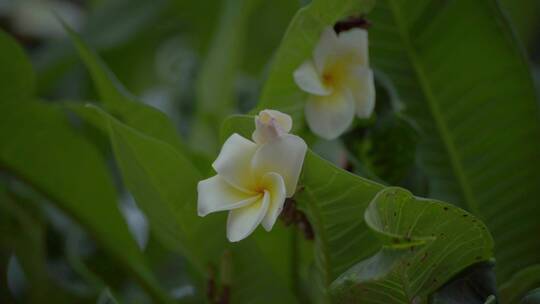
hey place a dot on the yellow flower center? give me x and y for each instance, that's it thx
(328, 79)
(334, 75)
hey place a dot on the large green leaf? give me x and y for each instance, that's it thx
(38, 147)
(280, 92)
(464, 80)
(425, 243)
(17, 77)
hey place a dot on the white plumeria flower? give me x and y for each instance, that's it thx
(254, 178)
(339, 81)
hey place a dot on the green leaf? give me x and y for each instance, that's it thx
(464, 80)
(388, 149)
(117, 100)
(425, 243)
(17, 77)
(254, 279)
(215, 85)
(334, 201)
(121, 104)
(38, 147)
(280, 92)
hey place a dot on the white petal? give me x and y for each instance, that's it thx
(269, 125)
(243, 221)
(355, 41)
(326, 49)
(234, 162)
(282, 119)
(363, 89)
(274, 184)
(330, 116)
(307, 78)
(215, 194)
(284, 157)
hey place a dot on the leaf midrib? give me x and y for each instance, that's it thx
(457, 168)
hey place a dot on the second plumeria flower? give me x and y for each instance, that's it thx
(254, 178)
(339, 81)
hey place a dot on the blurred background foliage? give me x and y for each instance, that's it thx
(198, 62)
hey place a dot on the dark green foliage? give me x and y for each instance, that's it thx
(98, 193)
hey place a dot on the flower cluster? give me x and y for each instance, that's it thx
(255, 177)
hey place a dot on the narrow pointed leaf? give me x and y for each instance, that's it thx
(120, 102)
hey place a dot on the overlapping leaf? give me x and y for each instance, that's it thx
(39, 147)
(120, 102)
(164, 184)
(425, 243)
